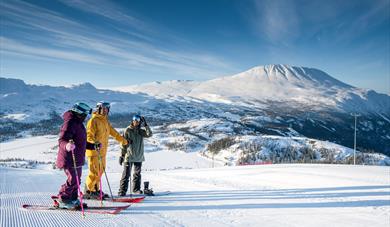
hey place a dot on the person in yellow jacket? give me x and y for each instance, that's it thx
(98, 131)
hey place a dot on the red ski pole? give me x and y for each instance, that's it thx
(77, 180)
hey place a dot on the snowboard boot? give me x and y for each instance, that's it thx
(147, 191)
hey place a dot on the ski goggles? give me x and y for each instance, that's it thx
(81, 108)
(137, 118)
(103, 104)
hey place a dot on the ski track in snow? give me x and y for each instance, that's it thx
(230, 217)
(267, 195)
(207, 197)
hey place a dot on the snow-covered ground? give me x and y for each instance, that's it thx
(263, 195)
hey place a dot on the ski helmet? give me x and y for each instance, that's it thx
(81, 108)
(102, 104)
(136, 117)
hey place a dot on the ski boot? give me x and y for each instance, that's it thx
(121, 194)
(105, 196)
(137, 192)
(68, 204)
(91, 195)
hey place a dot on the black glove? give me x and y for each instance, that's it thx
(121, 160)
(143, 120)
(98, 146)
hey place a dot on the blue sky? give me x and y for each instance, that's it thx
(117, 43)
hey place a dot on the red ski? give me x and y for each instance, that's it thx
(125, 199)
(88, 209)
(128, 199)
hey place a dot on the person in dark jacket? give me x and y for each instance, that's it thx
(133, 154)
(72, 138)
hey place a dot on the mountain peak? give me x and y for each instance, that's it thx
(292, 75)
(83, 86)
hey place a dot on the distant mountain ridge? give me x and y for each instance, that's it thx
(303, 85)
(275, 100)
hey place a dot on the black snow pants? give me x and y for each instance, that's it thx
(136, 183)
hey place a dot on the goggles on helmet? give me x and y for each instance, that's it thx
(81, 108)
(136, 117)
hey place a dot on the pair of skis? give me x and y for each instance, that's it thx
(135, 198)
(91, 209)
(87, 209)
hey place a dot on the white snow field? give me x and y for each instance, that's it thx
(258, 195)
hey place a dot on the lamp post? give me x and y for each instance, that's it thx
(354, 140)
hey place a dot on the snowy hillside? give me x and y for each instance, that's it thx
(37, 102)
(276, 100)
(267, 195)
(163, 89)
(307, 86)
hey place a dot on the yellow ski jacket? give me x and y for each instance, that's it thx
(98, 130)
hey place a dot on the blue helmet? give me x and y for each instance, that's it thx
(136, 117)
(81, 108)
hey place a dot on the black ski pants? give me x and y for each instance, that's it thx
(136, 183)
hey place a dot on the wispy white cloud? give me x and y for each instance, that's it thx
(8, 45)
(275, 21)
(54, 35)
(374, 15)
(106, 9)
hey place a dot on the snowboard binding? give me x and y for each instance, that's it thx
(148, 191)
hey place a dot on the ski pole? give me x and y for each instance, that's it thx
(109, 187)
(105, 174)
(77, 180)
(131, 190)
(100, 174)
(108, 182)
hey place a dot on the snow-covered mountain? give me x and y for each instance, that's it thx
(281, 83)
(36, 102)
(274, 100)
(162, 89)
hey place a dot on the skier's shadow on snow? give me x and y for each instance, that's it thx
(255, 199)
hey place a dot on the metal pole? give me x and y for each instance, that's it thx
(97, 148)
(354, 138)
(78, 182)
(131, 190)
(354, 144)
(109, 187)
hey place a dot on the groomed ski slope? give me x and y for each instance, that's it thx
(267, 195)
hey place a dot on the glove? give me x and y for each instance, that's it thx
(143, 120)
(121, 160)
(98, 145)
(70, 146)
